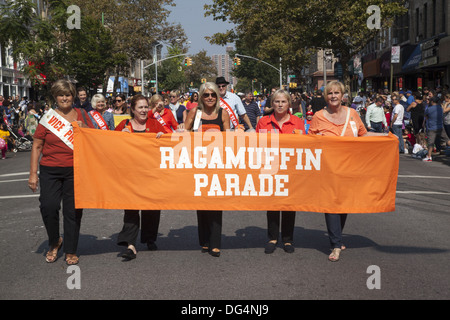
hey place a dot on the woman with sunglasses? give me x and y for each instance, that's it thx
(208, 116)
(120, 106)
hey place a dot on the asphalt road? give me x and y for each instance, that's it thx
(408, 249)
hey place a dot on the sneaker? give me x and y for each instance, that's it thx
(427, 159)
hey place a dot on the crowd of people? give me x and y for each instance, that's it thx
(419, 120)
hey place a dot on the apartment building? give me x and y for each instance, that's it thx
(422, 34)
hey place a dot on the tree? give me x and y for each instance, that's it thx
(203, 67)
(290, 29)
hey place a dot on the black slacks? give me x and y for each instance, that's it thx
(209, 228)
(56, 185)
(148, 221)
(287, 225)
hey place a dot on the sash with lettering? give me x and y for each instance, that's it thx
(233, 117)
(163, 123)
(59, 126)
(99, 119)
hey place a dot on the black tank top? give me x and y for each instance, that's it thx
(214, 124)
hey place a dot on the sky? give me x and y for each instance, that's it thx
(190, 14)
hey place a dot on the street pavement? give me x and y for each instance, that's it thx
(401, 255)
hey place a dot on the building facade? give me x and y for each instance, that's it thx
(422, 35)
(224, 66)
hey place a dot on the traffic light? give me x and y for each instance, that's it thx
(203, 80)
(236, 61)
(187, 61)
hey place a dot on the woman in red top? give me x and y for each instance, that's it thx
(149, 219)
(56, 175)
(164, 116)
(193, 101)
(280, 121)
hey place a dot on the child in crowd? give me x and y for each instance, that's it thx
(309, 116)
(420, 149)
(4, 135)
(409, 139)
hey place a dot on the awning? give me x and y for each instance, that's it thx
(371, 69)
(413, 61)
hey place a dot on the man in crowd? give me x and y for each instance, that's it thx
(397, 121)
(252, 109)
(82, 101)
(375, 118)
(433, 118)
(233, 105)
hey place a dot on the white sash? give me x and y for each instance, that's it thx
(59, 126)
(346, 122)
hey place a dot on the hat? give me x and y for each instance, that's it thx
(309, 113)
(221, 80)
(358, 99)
(401, 92)
(409, 91)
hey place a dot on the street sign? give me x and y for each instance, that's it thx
(291, 76)
(395, 54)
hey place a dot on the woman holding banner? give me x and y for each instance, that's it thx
(52, 141)
(149, 219)
(337, 120)
(208, 116)
(280, 121)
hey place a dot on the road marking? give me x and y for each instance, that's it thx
(19, 197)
(423, 192)
(422, 177)
(15, 174)
(15, 180)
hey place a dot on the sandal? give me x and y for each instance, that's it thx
(71, 259)
(52, 254)
(334, 256)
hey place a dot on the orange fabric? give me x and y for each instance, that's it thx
(117, 170)
(321, 124)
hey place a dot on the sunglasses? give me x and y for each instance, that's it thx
(207, 95)
(222, 86)
(118, 100)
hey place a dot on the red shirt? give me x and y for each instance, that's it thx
(152, 125)
(169, 119)
(270, 124)
(56, 153)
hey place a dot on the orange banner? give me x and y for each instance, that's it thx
(234, 171)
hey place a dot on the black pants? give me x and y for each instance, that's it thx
(209, 228)
(287, 225)
(148, 220)
(56, 185)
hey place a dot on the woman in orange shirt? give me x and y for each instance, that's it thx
(280, 121)
(337, 120)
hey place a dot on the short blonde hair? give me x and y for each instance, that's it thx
(154, 99)
(333, 84)
(63, 87)
(282, 92)
(96, 98)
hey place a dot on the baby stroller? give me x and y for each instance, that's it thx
(20, 143)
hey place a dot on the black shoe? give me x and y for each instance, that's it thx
(152, 246)
(270, 247)
(205, 249)
(129, 255)
(289, 248)
(215, 253)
